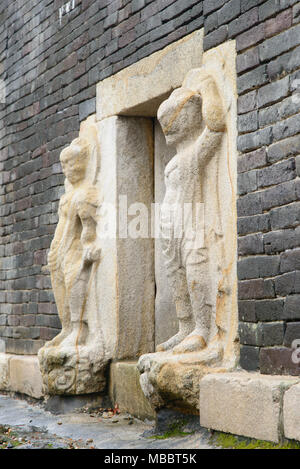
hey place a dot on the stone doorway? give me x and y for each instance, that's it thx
(134, 95)
(130, 99)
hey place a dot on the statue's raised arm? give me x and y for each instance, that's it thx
(213, 116)
(212, 106)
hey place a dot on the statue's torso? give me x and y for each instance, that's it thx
(182, 184)
(67, 246)
(183, 180)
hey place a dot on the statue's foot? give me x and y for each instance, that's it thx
(186, 326)
(171, 343)
(192, 343)
(54, 356)
(56, 341)
(49, 349)
(60, 353)
(73, 338)
(70, 340)
(212, 353)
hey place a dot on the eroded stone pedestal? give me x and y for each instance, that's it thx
(173, 381)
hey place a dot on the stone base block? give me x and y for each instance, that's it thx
(125, 390)
(4, 372)
(291, 413)
(246, 404)
(21, 374)
(172, 381)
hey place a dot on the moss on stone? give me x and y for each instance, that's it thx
(176, 429)
(228, 441)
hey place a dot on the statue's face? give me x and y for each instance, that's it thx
(180, 115)
(74, 161)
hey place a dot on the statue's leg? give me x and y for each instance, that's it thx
(77, 292)
(78, 299)
(183, 306)
(59, 290)
(198, 280)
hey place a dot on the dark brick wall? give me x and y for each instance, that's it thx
(50, 71)
(268, 64)
(267, 35)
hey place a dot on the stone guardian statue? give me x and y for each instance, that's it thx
(199, 120)
(73, 362)
(194, 122)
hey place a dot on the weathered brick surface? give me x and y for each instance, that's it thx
(278, 360)
(249, 357)
(262, 334)
(50, 68)
(268, 63)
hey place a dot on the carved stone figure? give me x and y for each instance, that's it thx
(73, 362)
(103, 292)
(187, 265)
(199, 120)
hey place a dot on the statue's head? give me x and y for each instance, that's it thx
(74, 160)
(180, 115)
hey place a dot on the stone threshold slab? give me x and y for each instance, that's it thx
(251, 405)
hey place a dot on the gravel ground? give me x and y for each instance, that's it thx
(24, 425)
